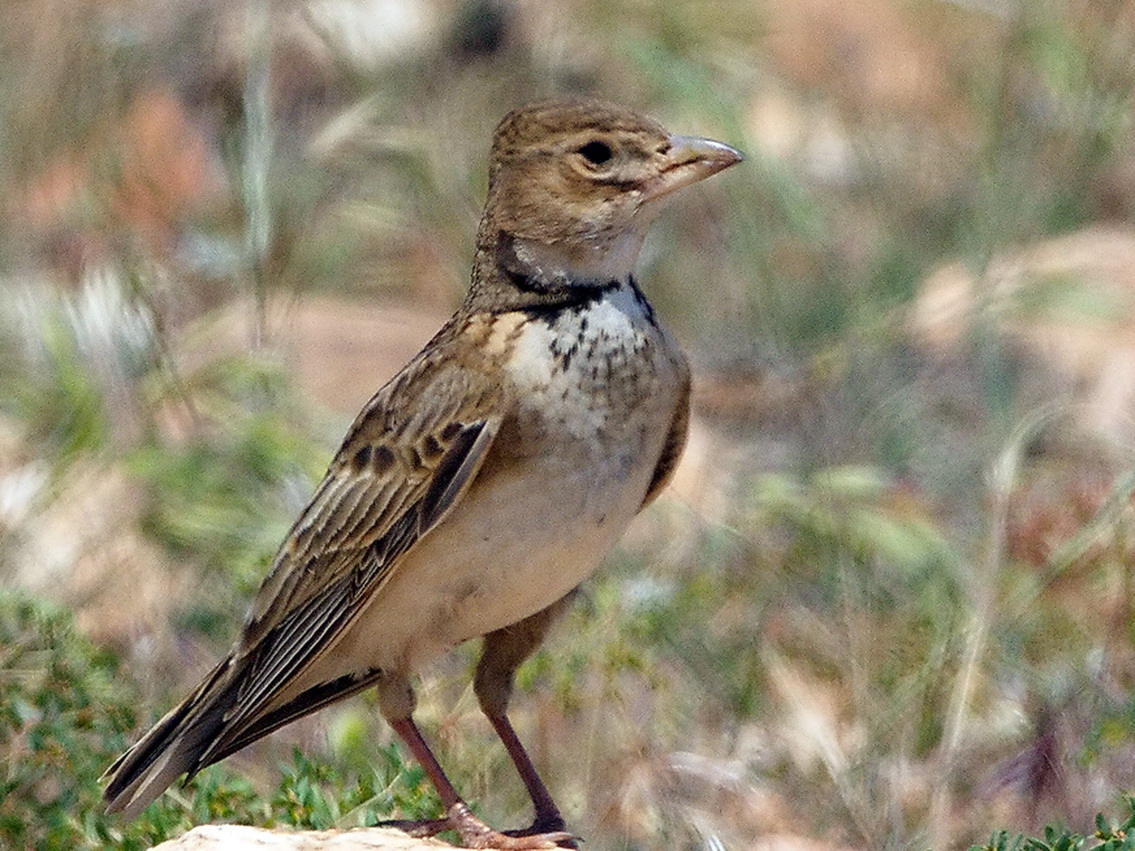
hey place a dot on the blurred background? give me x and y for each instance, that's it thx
(887, 602)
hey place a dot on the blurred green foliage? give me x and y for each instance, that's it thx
(64, 711)
(225, 497)
(67, 709)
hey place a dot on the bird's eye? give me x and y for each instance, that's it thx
(596, 152)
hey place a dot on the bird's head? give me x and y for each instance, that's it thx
(574, 184)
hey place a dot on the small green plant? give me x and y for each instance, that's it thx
(1108, 836)
(319, 795)
(64, 712)
(67, 710)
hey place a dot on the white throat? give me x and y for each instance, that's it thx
(587, 263)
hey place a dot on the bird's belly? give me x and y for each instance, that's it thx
(512, 547)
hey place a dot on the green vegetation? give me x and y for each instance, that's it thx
(67, 709)
(1119, 836)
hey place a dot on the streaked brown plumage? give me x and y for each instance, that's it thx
(486, 480)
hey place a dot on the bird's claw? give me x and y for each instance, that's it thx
(548, 827)
(478, 835)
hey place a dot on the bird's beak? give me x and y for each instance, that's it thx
(689, 160)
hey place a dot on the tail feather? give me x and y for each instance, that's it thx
(195, 734)
(171, 748)
(305, 703)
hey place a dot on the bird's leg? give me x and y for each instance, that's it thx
(548, 816)
(396, 698)
(504, 650)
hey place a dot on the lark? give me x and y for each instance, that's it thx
(485, 481)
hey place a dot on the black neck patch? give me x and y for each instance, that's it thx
(647, 307)
(554, 301)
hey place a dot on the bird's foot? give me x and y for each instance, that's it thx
(548, 826)
(476, 834)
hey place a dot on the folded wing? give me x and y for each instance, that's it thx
(400, 470)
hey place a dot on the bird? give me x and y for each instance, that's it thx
(484, 482)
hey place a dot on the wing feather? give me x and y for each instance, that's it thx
(406, 462)
(349, 582)
(381, 473)
(672, 449)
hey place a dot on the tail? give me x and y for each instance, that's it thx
(174, 746)
(198, 732)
